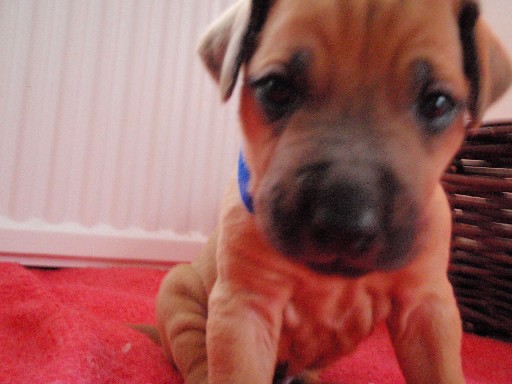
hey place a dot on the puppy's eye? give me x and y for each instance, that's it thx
(277, 95)
(437, 110)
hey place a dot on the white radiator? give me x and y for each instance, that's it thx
(114, 145)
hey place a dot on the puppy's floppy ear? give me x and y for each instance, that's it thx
(486, 62)
(231, 40)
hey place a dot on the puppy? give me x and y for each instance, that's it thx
(350, 112)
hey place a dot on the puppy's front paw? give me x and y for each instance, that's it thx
(298, 380)
(305, 378)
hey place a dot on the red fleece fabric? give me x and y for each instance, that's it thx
(69, 326)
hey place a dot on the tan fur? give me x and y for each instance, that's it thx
(242, 307)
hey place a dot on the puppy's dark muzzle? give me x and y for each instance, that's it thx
(345, 220)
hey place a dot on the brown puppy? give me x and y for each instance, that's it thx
(350, 110)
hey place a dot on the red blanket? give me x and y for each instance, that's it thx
(69, 326)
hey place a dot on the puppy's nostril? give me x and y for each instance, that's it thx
(365, 232)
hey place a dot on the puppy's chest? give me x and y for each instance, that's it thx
(319, 325)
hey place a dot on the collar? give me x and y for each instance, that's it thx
(244, 176)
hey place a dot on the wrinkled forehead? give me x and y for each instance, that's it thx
(366, 39)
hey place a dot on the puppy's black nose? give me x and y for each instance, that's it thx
(345, 218)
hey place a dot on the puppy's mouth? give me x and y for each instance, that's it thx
(343, 263)
(350, 225)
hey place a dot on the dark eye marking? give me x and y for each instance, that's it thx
(435, 106)
(437, 111)
(281, 90)
(277, 95)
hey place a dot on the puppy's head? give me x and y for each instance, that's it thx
(351, 111)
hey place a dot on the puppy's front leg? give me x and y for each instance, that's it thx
(428, 343)
(182, 312)
(242, 337)
(426, 326)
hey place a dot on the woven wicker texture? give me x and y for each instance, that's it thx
(479, 184)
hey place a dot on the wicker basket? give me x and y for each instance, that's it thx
(479, 185)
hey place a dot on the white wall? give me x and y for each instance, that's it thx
(499, 15)
(114, 144)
